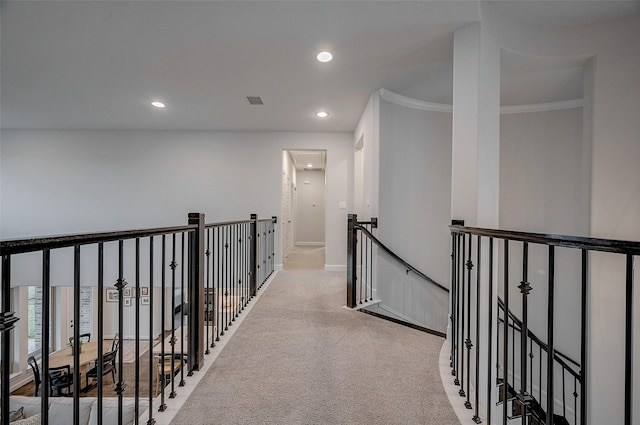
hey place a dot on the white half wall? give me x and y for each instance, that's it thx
(415, 209)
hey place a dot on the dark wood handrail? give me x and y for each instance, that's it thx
(577, 242)
(396, 257)
(227, 223)
(21, 246)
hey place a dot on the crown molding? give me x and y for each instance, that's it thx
(409, 102)
(542, 107)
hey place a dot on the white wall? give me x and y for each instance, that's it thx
(310, 207)
(414, 210)
(611, 124)
(55, 182)
(544, 188)
(543, 185)
(366, 140)
(288, 194)
(84, 181)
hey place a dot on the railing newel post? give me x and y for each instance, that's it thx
(352, 243)
(195, 287)
(253, 261)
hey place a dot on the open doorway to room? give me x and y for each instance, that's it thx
(303, 208)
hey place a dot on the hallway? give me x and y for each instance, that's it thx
(299, 357)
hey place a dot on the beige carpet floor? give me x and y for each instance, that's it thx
(300, 358)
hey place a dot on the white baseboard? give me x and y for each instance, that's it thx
(309, 243)
(335, 268)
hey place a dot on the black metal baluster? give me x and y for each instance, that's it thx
(531, 357)
(247, 264)
(490, 333)
(365, 266)
(550, 347)
(525, 289)
(462, 322)
(218, 287)
(540, 372)
(513, 352)
(456, 363)
(236, 267)
(151, 420)
(505, 371)
(361, 268)
(264, 256)
(476, 417)
(120, 284)
(46, 304)
(454, 304)
(183, 328)
(174, 265)
(370, 268)
(207, 311)
(583, 336)
(162, 407)
(258, 255)
(628, 344)
(7, 322)
(234, 261)
(240, 267)
(137, 333)
(76, 334)
(100, 328)
(214, 293)
(226, 279)
(467, 343)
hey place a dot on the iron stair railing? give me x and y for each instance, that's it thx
(469, 283)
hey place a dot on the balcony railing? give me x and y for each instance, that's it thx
(535, 382)
(364, 250)
(186, 284)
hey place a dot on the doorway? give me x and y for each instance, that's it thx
(303, 200)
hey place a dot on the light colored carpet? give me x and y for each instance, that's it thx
(305, 258)
(300, 358)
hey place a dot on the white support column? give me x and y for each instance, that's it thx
(476, 128)
(476, 173)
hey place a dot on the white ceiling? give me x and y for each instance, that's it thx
(98, 64)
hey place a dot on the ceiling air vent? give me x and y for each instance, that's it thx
(255, 100)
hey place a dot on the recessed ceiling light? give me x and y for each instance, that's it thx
(158, 104)
(324, 56)
(322, 114)
(309, 165)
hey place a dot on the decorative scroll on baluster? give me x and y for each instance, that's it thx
(468, 343)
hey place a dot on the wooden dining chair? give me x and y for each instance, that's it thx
(36, 374)
(108, 366)
(163, 368)
(84, 338)
(115, 344)
(60, 378)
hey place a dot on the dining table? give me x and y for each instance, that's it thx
(88, 354)
(181, 337)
